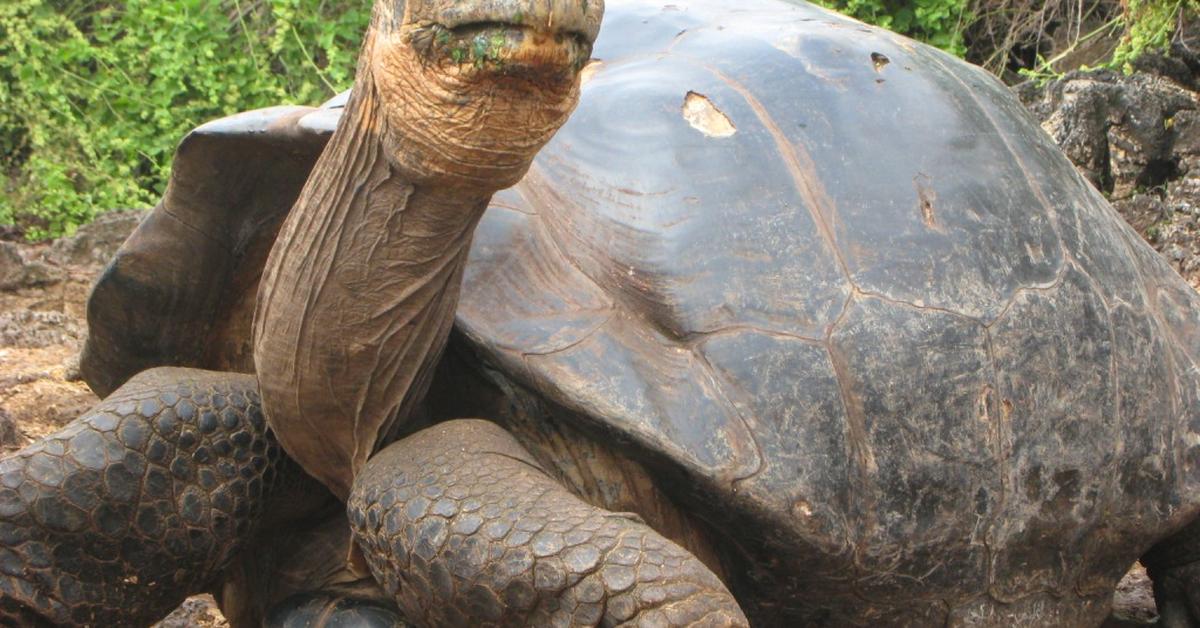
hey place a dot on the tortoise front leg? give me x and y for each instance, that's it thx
(465, 529)
(120, 515)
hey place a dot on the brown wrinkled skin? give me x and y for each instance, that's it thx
(359, 292)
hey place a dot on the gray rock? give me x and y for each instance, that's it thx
(31, 329)
(17, 272)
(12, 266)
(1123, 132)
(1133, 602)
(1143, 211)
(10, 435)
(1137, 139)
(95, 244)
(71, 369)
(196, 612)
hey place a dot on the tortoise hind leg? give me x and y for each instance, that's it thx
(464, 528)
(1174, 567)
(140, 502)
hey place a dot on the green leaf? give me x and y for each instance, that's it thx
(94, 96)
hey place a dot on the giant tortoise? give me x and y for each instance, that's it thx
(794, 322)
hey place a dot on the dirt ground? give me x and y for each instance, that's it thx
(40, 334)
(42, 328)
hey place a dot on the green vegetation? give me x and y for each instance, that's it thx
(942, 23)
(1150, 25)
(94, 95)
(994, 33)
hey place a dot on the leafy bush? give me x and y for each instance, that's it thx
(1029, 38)
(1019, 38)
(95, 95)
(1150, 26)
(938, 22)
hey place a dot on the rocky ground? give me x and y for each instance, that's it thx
(43, 292)
(1137, 138)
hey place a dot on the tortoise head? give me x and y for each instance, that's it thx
(469, 91)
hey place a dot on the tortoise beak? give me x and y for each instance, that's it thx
(515, 36)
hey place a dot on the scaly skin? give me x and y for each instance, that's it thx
(139, 503)
(463, 527)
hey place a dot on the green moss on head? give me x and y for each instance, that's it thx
(483, 50)
(479, 47)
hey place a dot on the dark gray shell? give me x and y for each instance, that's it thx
(836, 289)
(882, 335)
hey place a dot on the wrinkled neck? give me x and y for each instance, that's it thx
(358, 298)
(355, 169)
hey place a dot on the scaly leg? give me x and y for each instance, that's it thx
(465, 529)
(139, 503)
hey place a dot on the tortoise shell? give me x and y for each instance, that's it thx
(843, 290)
(849, 303)
(180, 291)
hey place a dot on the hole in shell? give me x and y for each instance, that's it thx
(879, 60)
(704, 116)
(926, 198)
